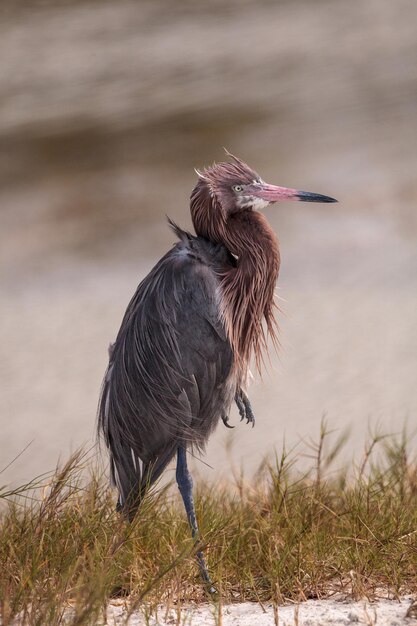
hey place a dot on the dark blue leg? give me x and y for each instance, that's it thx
(185, 485)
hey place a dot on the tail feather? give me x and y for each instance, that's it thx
(128, 471)
(133, 478)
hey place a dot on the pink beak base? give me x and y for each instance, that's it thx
(272, 193)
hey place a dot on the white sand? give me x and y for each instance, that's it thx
(310, 613)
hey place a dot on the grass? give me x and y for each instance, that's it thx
(288, 536)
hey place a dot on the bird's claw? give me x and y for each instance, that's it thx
(225, 419)
(244, 407)
(240, 405)
(250, 418)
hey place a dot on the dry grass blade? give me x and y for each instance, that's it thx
(292, 535)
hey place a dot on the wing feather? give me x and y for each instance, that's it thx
(169, 377)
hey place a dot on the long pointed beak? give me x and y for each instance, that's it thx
(272, 193)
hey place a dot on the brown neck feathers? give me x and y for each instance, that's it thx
(247, 289)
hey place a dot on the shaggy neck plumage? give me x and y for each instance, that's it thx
(248, 289)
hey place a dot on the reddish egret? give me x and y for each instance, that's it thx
(182, 352)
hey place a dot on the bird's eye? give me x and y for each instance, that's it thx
(237, 188)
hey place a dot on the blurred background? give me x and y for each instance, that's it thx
(106, 108)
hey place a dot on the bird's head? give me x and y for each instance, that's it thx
(230, 187)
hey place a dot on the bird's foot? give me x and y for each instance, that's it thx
(225, 419)
(245, 407)
(250, 417)
(210, 588)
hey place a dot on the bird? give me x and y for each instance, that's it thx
(189, 333)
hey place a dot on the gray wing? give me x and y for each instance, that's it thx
(170, 372)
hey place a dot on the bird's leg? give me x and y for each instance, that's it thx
(244, 406)
(185, 485)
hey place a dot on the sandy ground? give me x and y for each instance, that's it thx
(310, 613)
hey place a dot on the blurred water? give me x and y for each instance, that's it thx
(105, 108)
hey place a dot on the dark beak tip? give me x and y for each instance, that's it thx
(307, 196)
